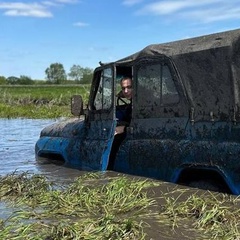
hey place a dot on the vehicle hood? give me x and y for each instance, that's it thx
(73, 127)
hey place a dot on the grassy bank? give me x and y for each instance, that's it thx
(50, 101)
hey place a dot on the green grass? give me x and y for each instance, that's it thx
(83, 210)
(210, 215)
(50, 101)
(96, 207)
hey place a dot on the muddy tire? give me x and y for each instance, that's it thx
(208, 185)
(205, 179)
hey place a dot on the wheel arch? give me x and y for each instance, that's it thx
(214, 178)
(51, 157)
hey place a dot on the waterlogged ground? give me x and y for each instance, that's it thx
(170, 211)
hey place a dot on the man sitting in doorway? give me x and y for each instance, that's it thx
(124, 117)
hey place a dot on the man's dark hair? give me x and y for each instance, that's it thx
(125, 78)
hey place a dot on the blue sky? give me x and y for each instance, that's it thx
(35, 34)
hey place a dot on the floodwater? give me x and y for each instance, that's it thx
(17, 142)
(17, 150)
(18, 137)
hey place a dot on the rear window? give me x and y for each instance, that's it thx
(155, 86)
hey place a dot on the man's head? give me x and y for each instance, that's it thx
(126, 85)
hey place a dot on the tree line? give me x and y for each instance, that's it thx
(55, 74)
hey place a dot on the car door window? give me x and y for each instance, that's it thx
(103, 98)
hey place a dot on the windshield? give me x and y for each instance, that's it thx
(103, 97)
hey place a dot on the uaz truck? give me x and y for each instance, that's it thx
(185, 123)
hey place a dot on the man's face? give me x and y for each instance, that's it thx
(127, 88)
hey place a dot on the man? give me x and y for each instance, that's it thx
(124, 118)
(126, 85)
(126, 92)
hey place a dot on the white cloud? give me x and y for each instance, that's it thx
(202, 10)
(80, 24)
(49, 3)
(28, 13)
(131, 2)
(32, 9)
(23, 9)
(169, 7)
(218, 14)
(67, 1)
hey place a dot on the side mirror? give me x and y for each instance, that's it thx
(76, 105)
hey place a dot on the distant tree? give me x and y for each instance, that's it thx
(12, 80)
(80, 74)
(56, 73)
(76, 73)
(87, 75)
(25, 80)
(3, 80)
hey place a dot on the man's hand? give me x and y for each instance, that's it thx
(119, 130)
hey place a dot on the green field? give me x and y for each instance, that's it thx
(49, 101)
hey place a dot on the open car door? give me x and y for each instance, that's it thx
(100, 124)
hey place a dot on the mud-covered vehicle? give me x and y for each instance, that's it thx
(185, 123)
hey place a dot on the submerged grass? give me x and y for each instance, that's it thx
(107, 210)
(93, 207)
(215, 215)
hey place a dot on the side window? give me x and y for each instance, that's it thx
(103, 97)
(169, 91)
(155, 86)
(148, 85)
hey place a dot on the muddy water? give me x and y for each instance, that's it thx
(17, 144)
(17, 141)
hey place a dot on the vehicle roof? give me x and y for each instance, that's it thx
(209, 68)
(180, 47)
